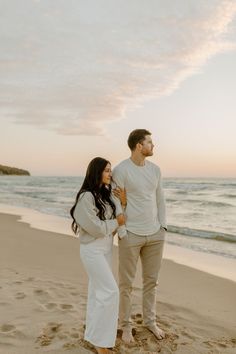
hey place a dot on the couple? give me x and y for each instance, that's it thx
(135, 209)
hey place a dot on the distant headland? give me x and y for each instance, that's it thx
(6, 170)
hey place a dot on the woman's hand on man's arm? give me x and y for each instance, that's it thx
(121, 194)
(120, 219)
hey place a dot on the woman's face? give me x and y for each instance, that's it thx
(106, 175)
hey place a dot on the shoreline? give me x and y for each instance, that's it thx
(213, 264)
(43, 294)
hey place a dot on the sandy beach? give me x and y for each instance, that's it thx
(43, 300)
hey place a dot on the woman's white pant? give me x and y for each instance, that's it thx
(103, 292)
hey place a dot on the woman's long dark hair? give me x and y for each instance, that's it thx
(101, 193)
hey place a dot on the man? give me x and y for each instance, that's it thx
(146, 228)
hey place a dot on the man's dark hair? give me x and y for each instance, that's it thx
(137, 136)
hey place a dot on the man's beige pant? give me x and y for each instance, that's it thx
(150, 249)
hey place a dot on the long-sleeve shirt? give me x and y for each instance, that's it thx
(145, 210)
(90, 225)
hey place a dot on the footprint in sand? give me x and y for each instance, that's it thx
(66, 307)
(48, 334)
(221, 343)
(73, 333)
(40, 292)
(71, 288)
(30, 279)
(10, 331)
(54, 327)
(55, 306)
(51, 306)
(74, 293)
(7, 328)
(42, 296)
(68, 337)
(20, 296)
(61, 285)
(189, 335)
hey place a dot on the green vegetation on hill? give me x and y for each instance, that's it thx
(6, 170)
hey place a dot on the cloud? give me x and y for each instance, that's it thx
(73, 66)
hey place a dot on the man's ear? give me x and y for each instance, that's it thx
(139, 146)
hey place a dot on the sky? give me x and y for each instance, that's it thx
(77, 76)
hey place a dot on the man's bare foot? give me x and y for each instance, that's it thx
(103, 350)
(157, 331)
(127, 335)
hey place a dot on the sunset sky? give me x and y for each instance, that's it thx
(77, 76)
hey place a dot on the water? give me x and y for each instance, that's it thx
(201, 212)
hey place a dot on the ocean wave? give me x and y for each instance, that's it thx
(215, 204)
(181, 192)
(200, 202)
(226, 184)
(233, 196)
(213, 235)
(170, 200)
(199, 248)
(29, 194)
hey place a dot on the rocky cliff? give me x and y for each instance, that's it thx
(6, 170)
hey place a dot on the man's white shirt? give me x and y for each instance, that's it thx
(145, 210)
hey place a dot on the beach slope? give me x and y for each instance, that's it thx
(43, 300)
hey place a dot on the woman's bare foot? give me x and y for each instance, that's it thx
(127, 335)
(157, 331)
(101, 350)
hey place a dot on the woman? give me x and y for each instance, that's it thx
(97, 217)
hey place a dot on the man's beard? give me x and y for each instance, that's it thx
(147, 153)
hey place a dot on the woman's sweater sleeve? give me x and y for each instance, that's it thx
(85, 215)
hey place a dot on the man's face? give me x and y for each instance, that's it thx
(147, 146)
